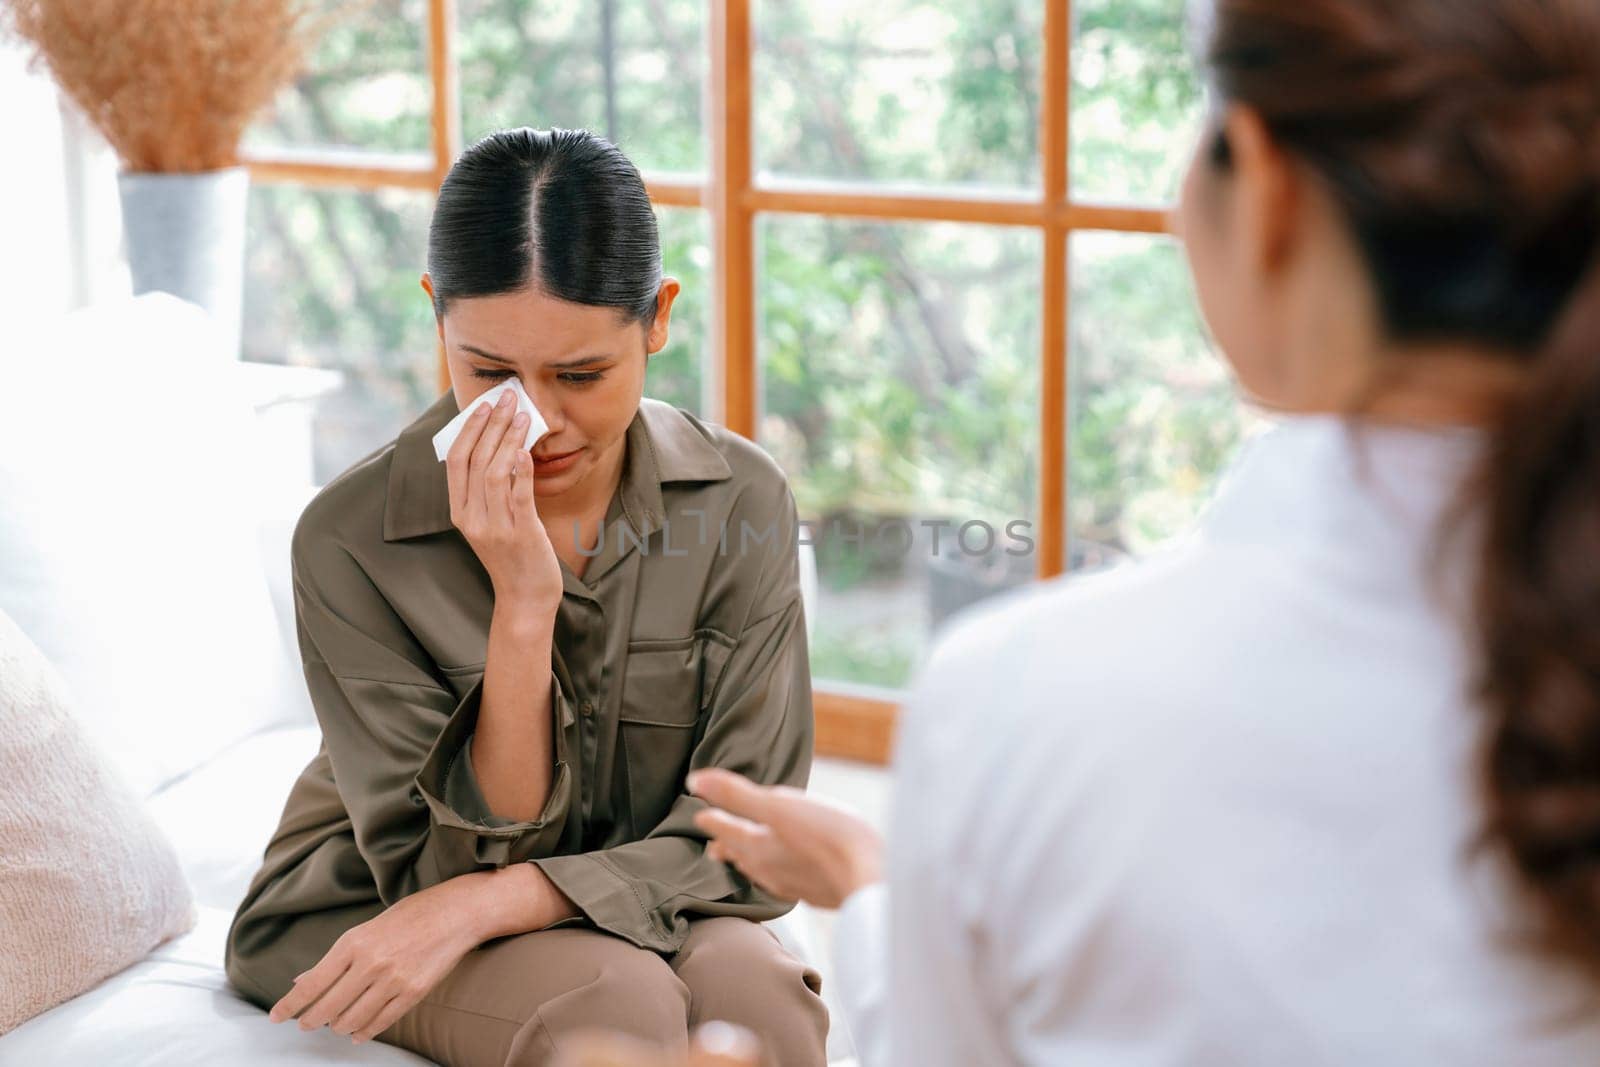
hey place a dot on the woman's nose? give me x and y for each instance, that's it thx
(549, 407)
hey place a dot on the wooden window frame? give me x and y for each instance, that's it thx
(853, 722)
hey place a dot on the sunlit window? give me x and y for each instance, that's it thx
(884, 318)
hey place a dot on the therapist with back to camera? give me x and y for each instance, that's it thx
(1321, 783)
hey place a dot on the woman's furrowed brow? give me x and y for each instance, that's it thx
(475, 350)
(582, 361)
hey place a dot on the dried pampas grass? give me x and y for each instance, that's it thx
(170, 84)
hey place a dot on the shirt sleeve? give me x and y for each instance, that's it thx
(861, 969)
(956, 816)
(396, 736)
(759, 724)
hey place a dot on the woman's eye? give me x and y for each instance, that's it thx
(573, 378)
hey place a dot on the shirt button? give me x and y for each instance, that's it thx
(587, 708)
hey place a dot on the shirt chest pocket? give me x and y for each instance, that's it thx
(666, 691)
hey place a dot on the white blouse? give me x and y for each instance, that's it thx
(1213, 807)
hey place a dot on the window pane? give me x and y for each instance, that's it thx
(676, 374)
(1153, 415)
(631, 70)
(332, 279)
(1135, 100)
(899, 378)
(365, 85)
(899, 90)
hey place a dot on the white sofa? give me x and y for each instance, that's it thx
(175, 1007)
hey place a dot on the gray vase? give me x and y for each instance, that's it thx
(185, 236)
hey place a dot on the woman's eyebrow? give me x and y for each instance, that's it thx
(583, 361)
(475, 350)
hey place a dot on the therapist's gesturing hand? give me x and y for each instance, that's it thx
(379, 969)
(495, 511)
(794, 846)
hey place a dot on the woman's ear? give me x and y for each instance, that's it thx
(438, 321)
(656, 339)
(1265, 190)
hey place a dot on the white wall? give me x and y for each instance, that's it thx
(60, 221)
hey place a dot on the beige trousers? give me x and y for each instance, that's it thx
(518, 1001)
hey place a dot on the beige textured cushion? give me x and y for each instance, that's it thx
(88, 882)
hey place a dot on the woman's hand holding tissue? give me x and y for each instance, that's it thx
(492, 504)
(793, 845)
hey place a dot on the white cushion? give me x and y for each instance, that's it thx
(175, 1008)
(279, 512)
(128, 536)
(88, 883)
(221, 816)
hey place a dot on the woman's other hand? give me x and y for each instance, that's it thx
(793, 845)
(378, 970)
(492, 504)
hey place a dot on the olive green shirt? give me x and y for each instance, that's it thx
(682, 646)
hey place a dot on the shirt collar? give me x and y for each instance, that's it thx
(1369, 492)
(663, 446)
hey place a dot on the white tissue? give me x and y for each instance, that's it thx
(536, 424)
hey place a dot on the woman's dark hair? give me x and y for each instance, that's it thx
(1461, 140)
(560, 210)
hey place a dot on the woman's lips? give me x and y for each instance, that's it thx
(555, 464)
